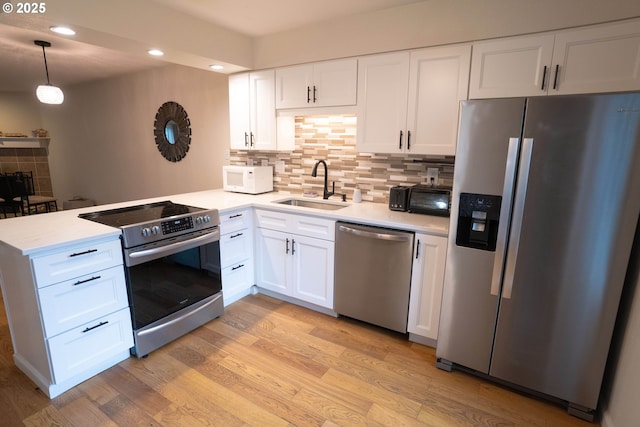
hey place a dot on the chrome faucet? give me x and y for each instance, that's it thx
(326, 193)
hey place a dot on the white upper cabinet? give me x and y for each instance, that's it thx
(597, 59)
(511, 67)
(603, 58)
(252, 111)
(322, 84)
(383, 89)
(408, 101)
(438, 81)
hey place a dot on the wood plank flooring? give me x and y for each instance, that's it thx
(271, 363)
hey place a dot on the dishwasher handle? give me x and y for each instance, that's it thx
(376, 235)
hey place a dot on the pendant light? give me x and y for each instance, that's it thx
(48, 94)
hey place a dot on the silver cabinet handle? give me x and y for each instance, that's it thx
(505, 214)
(375, 235)
(518, 211)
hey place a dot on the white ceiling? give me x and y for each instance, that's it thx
(72, 62)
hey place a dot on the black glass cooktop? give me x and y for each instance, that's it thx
(123, 217)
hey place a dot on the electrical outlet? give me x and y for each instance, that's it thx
(264, 162)
(280, 166)
(432, 176)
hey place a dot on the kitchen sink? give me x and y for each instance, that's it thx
(315, 204)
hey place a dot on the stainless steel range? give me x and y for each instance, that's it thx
(172, 262)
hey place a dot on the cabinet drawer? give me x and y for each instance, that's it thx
(304, 225)
(75, 302)
(235, 247)
(237, 279)
(76, 261)
(86, 346)
(232, 222)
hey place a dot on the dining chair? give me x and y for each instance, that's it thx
(8, 204)
(28, 197)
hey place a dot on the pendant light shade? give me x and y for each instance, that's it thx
(48, 94)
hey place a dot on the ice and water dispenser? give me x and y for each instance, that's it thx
(478, 217)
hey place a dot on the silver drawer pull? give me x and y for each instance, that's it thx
(79, 282)
(97, 326)
(83, 253)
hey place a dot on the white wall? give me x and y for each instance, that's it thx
(102, 141)
(431, 23)
(19, 112)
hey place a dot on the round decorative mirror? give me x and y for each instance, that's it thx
(172, 130)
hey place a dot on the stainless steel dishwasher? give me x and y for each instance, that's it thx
(373, 274)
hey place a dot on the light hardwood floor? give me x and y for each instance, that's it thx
(271, 363)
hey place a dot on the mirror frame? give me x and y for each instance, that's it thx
(167, 112)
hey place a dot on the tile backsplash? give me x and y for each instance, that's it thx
(333, 139)
(33, 160)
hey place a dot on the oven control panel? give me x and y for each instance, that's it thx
(176, 225)
(153, 231)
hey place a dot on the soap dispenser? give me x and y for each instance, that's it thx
(357, 195)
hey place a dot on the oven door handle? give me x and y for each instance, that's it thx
(135, 258)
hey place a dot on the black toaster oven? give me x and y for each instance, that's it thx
(424, 199)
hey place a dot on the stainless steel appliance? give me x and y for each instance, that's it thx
(428, 200)
(373, 274)
(546, 197)
(172, 263)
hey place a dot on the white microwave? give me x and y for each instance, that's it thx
(247, 179)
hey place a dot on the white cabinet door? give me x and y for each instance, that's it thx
(293, 86)
(438, 81)
(272, 256)
(322, 84)
(598, 59)
(427, 280)
(518, 66)
(312, 272)
(81, 349)
(334, 83)
(408, 101)
(263, 110)
(239, 111)
(383, 85)
(252, 111)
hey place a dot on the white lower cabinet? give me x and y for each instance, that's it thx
(427, 280)
(236, 254)
(80, 349)
(293, 264)
(69, 312)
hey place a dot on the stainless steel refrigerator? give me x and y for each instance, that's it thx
(545, 203)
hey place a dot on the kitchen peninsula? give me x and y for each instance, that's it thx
(40, 253)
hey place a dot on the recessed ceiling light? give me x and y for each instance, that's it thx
(63, 30)
(216, 67)
(156, 52)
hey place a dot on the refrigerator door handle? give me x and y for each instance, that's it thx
(505, 214)
(518, 211)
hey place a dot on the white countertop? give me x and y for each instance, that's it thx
(43, 232)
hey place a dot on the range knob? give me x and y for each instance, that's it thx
(155, 230)
(206, 218)
(146, 232)
(199, 220)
